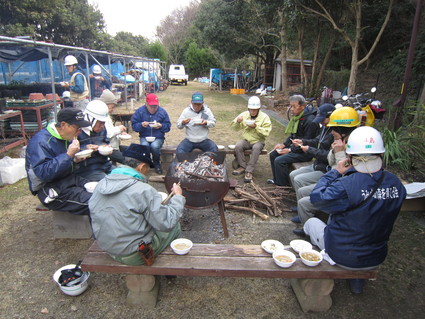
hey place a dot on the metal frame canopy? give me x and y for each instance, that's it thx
(25, 50)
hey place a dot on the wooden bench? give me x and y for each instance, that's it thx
(67, 225)
(312, 285)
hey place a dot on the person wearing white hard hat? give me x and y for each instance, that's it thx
(98, 83)
(92, 138)
(363, 202)
(77, 85)
(255, 126)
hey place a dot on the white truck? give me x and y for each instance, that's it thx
(177, 74)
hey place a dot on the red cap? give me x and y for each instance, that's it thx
(152, 99)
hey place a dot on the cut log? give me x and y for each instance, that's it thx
(248, 209)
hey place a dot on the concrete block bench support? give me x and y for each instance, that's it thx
(69, 226)
(312, 285)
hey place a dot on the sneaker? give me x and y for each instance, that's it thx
(239, 171)
(248, 177)
(270, 181)
(296, 219)
(356, 285)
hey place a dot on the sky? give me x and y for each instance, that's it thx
(140, 17)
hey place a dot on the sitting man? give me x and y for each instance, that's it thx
(50, 167)
(254, 135)
(197, 118)
(123, 198)
(363, 202)
(152, 122)
(300, 126)
(97, 165)
(98, 83)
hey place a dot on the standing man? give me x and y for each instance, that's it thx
(363, 202)
(49, 163)
(197, 118)
(256, 126)
(300, 126)
(79, 90)
(152, 122)
(98, 83)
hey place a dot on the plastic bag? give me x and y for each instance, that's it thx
(12, 170)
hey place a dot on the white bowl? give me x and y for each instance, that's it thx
(163, 195)
(271, 245)
(311, 257)
(181, 246)
(287, 255)
(300, 245)
(73, 290)
(232, 147)
(150, 138)
(90, 186)
(105, 150)
(249, 122)
(220, 147)
(197, 121)
(153, 124)
(84, 154)
(124, 136)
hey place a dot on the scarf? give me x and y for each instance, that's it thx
(293, 124)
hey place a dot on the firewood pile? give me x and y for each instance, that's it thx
(261, 201)
(203, 167)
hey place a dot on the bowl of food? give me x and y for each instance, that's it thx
(153, 124)
(197, 121)
(105, 150)
(249, 122)
(83, 154)
(181, 246)
(163, 195)
(150, 139)
(90, 186)
(311, 257)
(284, 258)
(124, 136)
(220, 147)
(232, 147)
(300, 245)
(271, 245)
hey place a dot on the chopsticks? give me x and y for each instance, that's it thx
(165, 201)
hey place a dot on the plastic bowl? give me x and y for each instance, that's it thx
(181, 246)
(300, 245)
(284, 258)
(197, 121)
(220, 147)
(105, 150)
(308, 255)
(83, 154)
(90, 186)
(249, 122)
(150, 138)
(152, 124)
(163, 195)
(124, 136)
(73, 290)
(232, 147)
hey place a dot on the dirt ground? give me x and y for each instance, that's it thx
(30, 255)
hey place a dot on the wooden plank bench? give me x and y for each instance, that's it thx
(312, 285)
(67, 225)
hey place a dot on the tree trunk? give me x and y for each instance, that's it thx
(314, 63)
(324, 63)
(283, 55)
(304, 79)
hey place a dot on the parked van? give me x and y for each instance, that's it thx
(177, 74)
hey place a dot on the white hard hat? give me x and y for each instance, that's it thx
(365, 140)
(98, 110)
(77, 287)
(254, 103)
(66, 94)
(97, 69)
(70, 60)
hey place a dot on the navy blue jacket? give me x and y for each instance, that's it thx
(319, 148)
(142, 115)
(358, 237)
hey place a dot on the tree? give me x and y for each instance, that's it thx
(156, 50)
(127, 43)
(199, 60)
(351, 29)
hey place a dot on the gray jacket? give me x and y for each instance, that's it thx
(125, 210)
(196, 133)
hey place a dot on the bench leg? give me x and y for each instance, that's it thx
(313, 294)
(142, 290)
(223, 218)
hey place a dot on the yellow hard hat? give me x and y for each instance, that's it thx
(344, 116)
